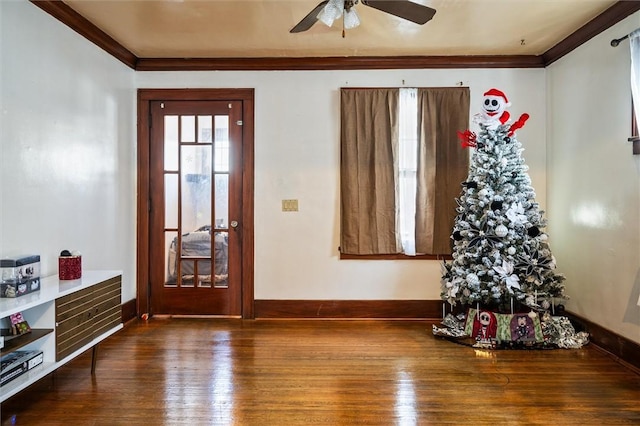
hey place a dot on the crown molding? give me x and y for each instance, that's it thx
(65, 14)
(86, 29)
(616, 13)
(337, 63)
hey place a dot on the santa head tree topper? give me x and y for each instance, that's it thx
(494, 113)
(494, 107)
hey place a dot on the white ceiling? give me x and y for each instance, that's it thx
(260, 28)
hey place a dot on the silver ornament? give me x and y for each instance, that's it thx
(501, 231)
(473, 280)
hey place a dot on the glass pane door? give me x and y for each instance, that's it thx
(199, 186)
(196, 174)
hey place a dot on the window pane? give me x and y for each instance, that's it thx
(170, 200)
(221, 259)
(196, 253)
(171, 142)
(196, 187)
(221, 143)
(204, 273)
(188, 130)
(408, 164)
(222, 201)
(187, 273)
(204, 128)
(171, 244)
(407, 215)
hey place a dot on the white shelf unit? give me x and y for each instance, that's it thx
(39, 310)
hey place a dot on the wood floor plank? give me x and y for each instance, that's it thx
(185, 371)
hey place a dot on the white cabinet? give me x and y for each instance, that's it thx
(91, 303)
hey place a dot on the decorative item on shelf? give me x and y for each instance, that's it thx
(20, 275)
(17, 363)
(19, 325)
(69, 265)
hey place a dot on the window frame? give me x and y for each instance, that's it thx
(400, 255)
(395, 256)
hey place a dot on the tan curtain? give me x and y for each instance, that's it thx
(442, 165)
(369, 145)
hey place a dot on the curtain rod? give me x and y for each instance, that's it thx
(616, 41)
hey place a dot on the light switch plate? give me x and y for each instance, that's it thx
(289, 205)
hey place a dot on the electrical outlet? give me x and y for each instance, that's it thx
(289, 205)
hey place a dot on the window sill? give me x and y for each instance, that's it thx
(398, 256)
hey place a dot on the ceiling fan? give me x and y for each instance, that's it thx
(330, 10)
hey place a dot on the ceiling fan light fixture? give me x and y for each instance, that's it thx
(332, 11)
(351, 19)
(328, 11)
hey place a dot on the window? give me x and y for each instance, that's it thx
(401, 169)
(634, 41)
(407, 168)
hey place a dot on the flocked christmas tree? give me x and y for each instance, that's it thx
(500, 250)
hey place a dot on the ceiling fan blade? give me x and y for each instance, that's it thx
(308, 21)
(405, 9)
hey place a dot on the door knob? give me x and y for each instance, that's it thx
(234, 223)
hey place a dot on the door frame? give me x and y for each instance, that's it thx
(145, 97)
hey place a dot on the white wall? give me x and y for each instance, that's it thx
(67, 165)
(68, 159)
(67, 140)
(297, 156)
(593, 181)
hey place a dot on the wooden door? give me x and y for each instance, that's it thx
(195, 170)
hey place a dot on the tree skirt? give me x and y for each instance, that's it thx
(491, 330)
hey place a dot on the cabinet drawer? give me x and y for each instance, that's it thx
(88, 313)
(70, 306)
(107, 287)
(108, 310)
(72, 340)
(73, 322)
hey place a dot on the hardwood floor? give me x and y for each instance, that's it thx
(233, 372)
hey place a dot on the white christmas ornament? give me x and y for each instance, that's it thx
(502, 231)
(473, 280)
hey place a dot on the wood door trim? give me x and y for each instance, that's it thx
(145, 96)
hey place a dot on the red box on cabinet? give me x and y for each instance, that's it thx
(70, 267)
